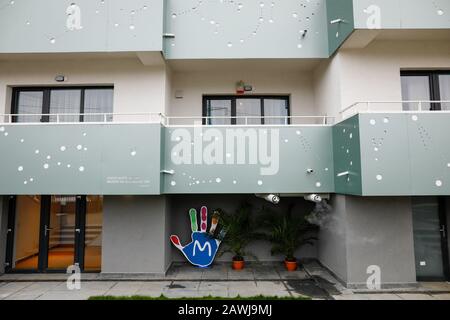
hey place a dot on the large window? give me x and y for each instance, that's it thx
(223, 110)
(35, 104)
(426, 86)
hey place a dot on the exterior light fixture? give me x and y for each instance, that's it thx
(313, 198)
(60, 78)
(273, 198)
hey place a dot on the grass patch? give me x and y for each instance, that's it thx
(162, 298)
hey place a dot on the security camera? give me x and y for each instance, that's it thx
(273, 198)
(313, 198)
(310, 171)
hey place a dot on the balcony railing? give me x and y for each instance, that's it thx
(95, 118)
(396, 106)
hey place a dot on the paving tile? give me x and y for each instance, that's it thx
(213, 286)
(351, 297)
(438, 286)
(23, 297)
(444, 296)
(125, 289)
(383, 296)
(245, 274)
(70, 295)
(415, 296)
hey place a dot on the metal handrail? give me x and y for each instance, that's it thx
(150, 118)
(324, 120)
(369, 104)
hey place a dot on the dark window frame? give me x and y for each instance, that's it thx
(46, 91)
(433, 78)
(233, 99)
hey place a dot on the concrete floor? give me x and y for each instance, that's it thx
(182, 280)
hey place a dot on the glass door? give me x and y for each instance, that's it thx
(51, 233)
(430, 238)
(60, 232)
(23, 233)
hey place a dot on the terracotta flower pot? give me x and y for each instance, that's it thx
(238, 264)
(290, 265)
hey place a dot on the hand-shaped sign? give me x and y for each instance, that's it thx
(202, 250)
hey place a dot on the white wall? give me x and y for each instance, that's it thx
(373, 73)
(137, 88)
(195, 84)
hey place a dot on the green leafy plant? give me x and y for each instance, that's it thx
(239, 230)
(287, 232)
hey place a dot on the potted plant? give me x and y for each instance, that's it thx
(287, 232)
(238, 232)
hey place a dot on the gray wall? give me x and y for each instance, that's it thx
(332, 248)
(180, 205)
(373, 231)
(3, 228)
(380, 232)
(134, 235)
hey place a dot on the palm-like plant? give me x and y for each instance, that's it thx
(287, 232)
(238, 231)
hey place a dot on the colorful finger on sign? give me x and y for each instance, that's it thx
(203, 248)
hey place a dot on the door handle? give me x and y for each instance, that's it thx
(442, 230)
(78, 230)
(47, 229)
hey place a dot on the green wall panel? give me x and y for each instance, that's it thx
(338, 32)
(246, 29)
(96, 26)
(347, 157)
(300, 148)
(405, 154)
(80, 159)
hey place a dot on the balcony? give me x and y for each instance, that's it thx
(382, 152)
(154, 154)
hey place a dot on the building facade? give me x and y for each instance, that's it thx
(120, 116)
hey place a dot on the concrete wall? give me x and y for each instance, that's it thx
(134, 235)
(332, 245)
(370, 231)
(264, 78)
(180, 226)
(137, 88)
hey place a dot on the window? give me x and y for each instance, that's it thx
(42, 104)
(426, 86)
(232, 110)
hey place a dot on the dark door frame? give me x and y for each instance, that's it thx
(442, 207)
(44, 222)
(433, 79)
(234, 98)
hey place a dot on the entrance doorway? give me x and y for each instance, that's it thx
(51, 233)
(430, 238)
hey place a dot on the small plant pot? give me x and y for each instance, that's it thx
(238, 264)
(290, 265)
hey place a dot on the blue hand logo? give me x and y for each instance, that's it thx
(202, 250)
